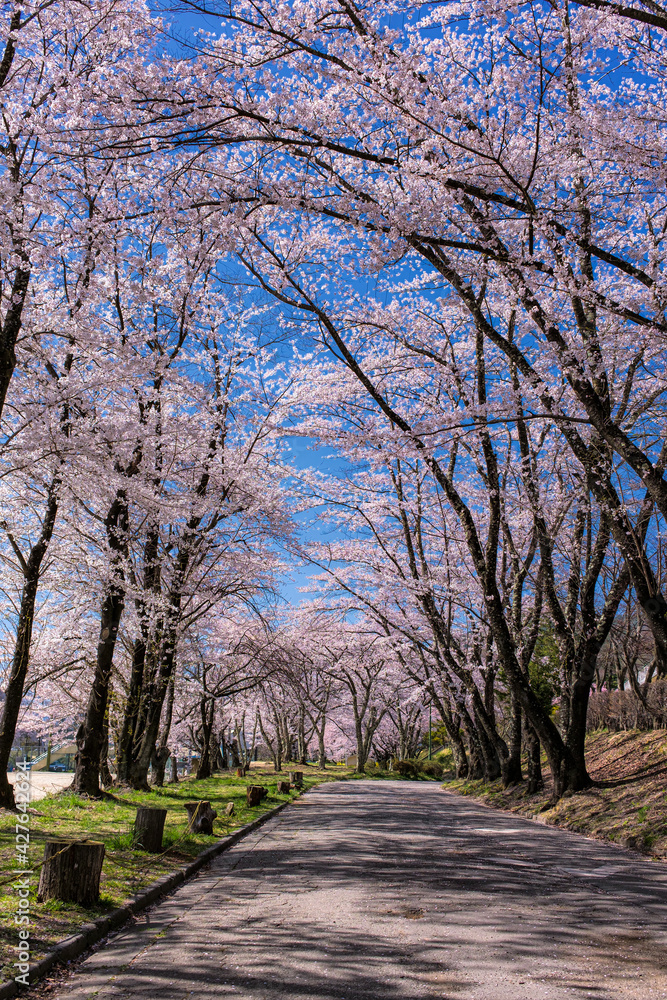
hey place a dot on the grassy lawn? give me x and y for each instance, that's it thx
(627, 805)
(125, 871)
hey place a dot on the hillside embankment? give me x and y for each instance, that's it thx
(627, 804)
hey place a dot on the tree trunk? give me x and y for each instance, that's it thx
(159, 764)
(511, 765)
(322, 753)
(162, 752)
(500, 760)
(234, 755)
(283, 729)
(575, 738)
(138, 776)
(249, 750)
(274, 746)
(452, 724)
(361, 754)
(453, 728)
(21, 658)
(141, 675)
(14, 690)
(105, 773)
(491, 759)
(148, 829)
(303, 747)
(207, 710)
(11, 326)
(174, 769)
(130, 717)
(90, 736)
(222, 741)
(535, 780)
(490, 691)
(476, 768)
(165, 652)
(71, 871)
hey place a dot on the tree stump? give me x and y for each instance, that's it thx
(296, 778)
(255, 794)
(229, 809)
(240, 772)
(71, 871)
(200, 816)
(148, 828)
(283, 787)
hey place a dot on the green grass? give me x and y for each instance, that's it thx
(126, 870)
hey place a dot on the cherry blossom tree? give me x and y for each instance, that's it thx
(356, 175)
(430, 241)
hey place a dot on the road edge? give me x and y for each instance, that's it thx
(74, 945)
(542, 821)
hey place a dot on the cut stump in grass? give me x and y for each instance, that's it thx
(148, 828)
(71, 871)
(296, 778)
(200, 816)
(283, 788)
(255, 794)
(229, 809)
(240, 772)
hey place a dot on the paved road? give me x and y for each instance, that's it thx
(384, 891)
(43, 783)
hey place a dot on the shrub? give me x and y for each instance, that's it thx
(419, 768)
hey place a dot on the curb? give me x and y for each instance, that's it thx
(73, 946)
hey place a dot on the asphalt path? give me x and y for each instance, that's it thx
(371, 890)
(43, 783)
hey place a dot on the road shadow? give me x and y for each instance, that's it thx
(369, 893)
